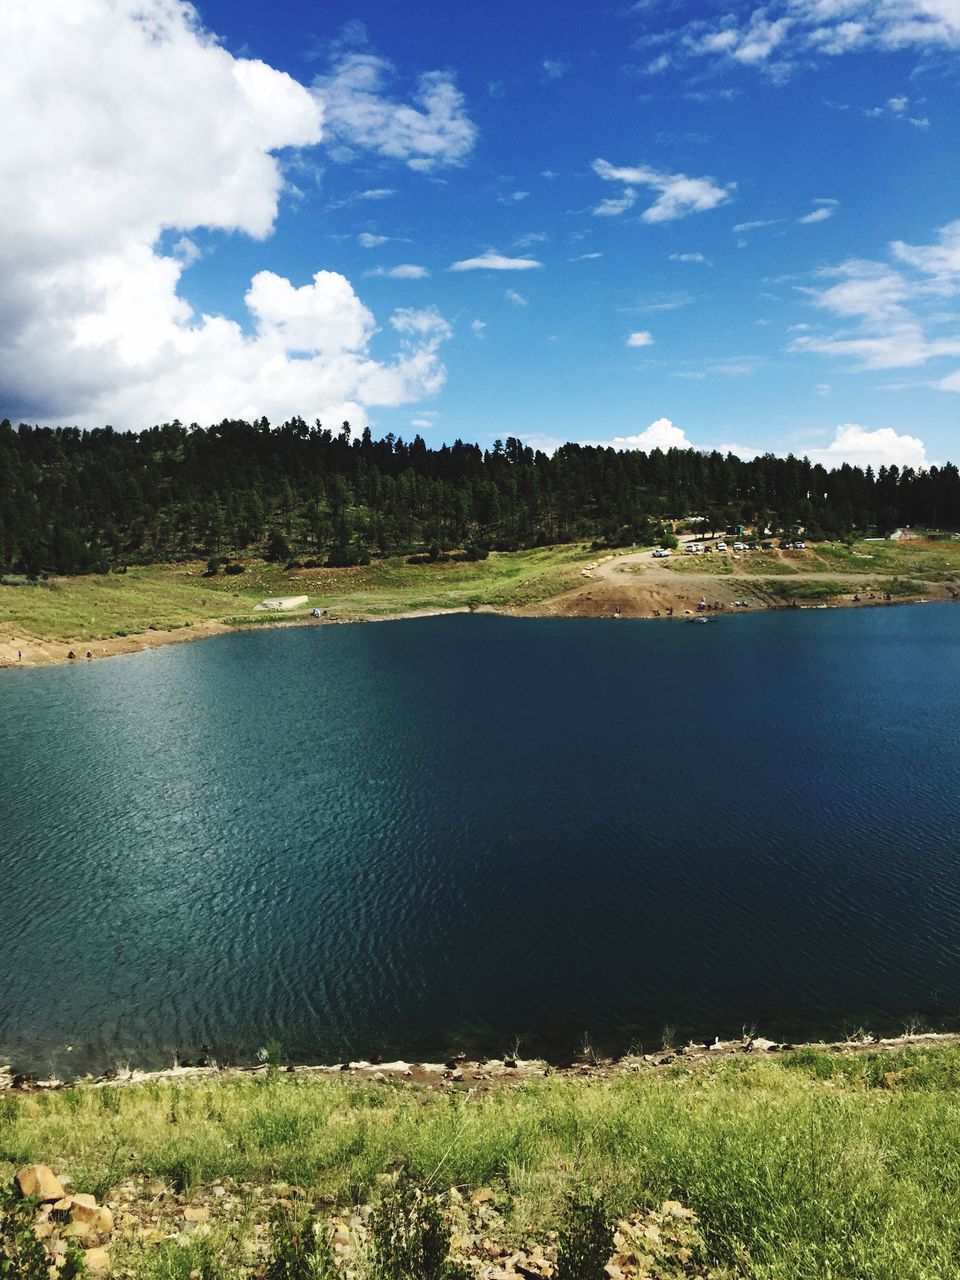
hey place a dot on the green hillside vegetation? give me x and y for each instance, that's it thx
(79, 502)
(167, 597)
(798, 1166)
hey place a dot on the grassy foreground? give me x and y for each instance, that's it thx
(801, 1166)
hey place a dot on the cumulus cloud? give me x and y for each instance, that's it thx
(861, 447)
(641, 338)
(367, 240)
(678, 195)
(517, 299)
(152, 127)
(689, 257)
(491, 261)
(661, 434)
(360, 114)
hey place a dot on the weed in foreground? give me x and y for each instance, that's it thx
(22, 1255)
(584, 1240)
(410, 1240)
(299, 1248)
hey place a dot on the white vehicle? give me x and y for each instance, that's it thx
(660, 553)
(721, 546)
(739, 546)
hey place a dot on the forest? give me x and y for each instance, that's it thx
(75, 501)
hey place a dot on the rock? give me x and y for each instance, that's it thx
(84, 1208)
(97, 1261)
(195, 1213)
(482, 1195)
(39, 1181)
(83, 1232)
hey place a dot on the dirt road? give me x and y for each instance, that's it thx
(640, 586)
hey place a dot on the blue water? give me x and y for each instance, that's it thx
(449, 833)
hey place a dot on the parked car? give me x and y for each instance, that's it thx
(800, 545)
(786, 544)
(739, 546)
(660, 553)
(721, 546)
(752, 546)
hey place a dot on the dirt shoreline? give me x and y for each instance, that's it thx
(647, 597)
(484, 1073)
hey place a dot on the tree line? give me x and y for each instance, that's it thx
(75, 501)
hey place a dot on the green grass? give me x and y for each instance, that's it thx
(167, 597)
(807, 1166)
(932, 561)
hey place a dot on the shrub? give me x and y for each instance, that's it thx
(278, 548)
(347, 557)
(234, 569)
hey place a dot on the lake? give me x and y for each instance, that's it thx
(460, 833)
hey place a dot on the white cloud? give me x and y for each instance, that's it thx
(824, 212)
(186, 251)
(152, 126)
(661, 434)
(679, 195)
(689, 257)
(513, 197)
(785, 34)
(554, 68)
(861, 447)
(491, 261)
(940, 260)
(424, 323)
(517, 299)
(359, 114)
(640, 338)
(477, 327)
(613, 206)
(896, 316)
(368, 241)
(405, 271)
(586, 257)
(755, 225)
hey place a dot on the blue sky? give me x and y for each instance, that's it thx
(654, 223)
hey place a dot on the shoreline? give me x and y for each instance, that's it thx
(40, 652)
(482, 1073)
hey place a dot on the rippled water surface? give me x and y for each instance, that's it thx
(453, 832)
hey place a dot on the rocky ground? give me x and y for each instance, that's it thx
(141, 1215)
